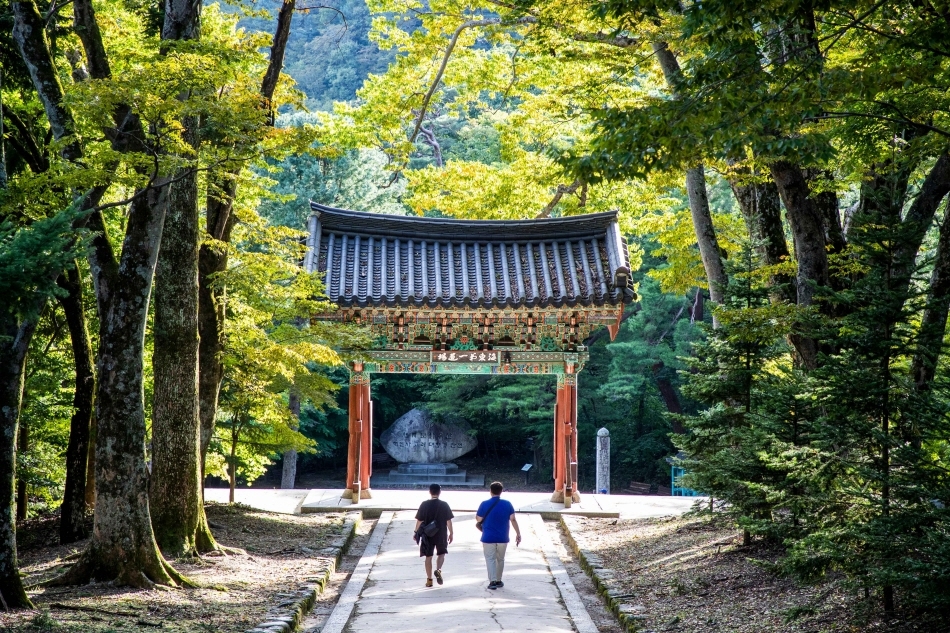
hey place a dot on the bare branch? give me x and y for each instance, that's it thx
(445, 61)
(428, 137)
(558, 194)
(317, 7)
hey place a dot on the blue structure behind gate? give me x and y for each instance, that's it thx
(679, 491)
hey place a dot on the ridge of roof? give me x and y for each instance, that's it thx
(419, 227)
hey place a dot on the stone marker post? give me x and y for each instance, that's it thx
(603, 462)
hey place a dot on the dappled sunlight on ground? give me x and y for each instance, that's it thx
(236, 590)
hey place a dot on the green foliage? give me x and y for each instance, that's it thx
(271, 349)
(737, 373)
(845, 464)
(354, 180)
(46, 412)
(31, 258)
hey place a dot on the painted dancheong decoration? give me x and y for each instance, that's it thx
(529, 292)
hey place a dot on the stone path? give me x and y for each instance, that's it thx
(387, 592)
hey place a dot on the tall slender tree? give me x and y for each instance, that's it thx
(175, 494)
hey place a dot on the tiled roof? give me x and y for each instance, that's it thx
(373, 259)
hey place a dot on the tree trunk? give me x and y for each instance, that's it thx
(213, 258)
(13, 348)
(705, 234)
(29, 33)
(289, 471)
(668, 393)
(212, 298)
(933, 324)
(90, 495)
(123, 545)
(696, 311)
(918, 219)
(22, 446)
(232, 465)
(175, 493)
(73, 510)
(761, 209)
(808, 231)
(709, 249)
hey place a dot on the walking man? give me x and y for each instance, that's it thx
(439, 512)
(492, 518)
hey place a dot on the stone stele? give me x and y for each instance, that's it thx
(415, 438)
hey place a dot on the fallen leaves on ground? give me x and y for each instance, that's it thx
(692, 575)
(237, 589)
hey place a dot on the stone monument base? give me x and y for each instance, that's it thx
(421, 475)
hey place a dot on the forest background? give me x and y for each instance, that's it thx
(788, 160)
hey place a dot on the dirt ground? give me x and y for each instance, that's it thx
(691, 575)
(235, 590)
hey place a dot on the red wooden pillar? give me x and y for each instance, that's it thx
(558, 461)
(570, 432)
(360, 454)
(565, 439)
(366, 437)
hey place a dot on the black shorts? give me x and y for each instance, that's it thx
(438, 545)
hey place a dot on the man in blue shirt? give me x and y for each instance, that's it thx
(493, 517)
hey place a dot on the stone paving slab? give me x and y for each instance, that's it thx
(394, 597)
(268, 499)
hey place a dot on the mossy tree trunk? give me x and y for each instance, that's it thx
(122, 547)
(175, 485)
(14, 343)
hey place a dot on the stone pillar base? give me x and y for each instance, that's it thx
(347, 493)
(558, 497)
(365, 493)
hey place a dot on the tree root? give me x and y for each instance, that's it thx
(157, 575)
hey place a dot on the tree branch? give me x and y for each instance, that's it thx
(445, 61)
(31, 151)
(558, 194)
(277, 50)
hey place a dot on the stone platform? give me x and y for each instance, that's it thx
(421, 475)
(305, 501)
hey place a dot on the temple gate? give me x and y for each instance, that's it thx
(447, 296)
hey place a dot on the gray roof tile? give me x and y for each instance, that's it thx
(373, 259)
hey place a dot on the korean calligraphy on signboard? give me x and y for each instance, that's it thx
(474, 356)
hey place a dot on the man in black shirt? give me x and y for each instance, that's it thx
(441, 513)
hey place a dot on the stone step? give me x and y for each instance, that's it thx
(424, 478)
(385, 481)
(428, 469)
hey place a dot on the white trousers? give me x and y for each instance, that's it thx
(495, 559)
